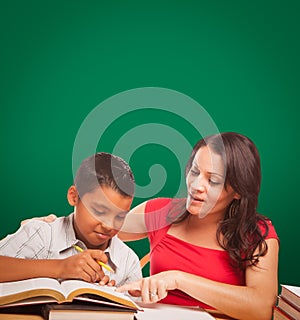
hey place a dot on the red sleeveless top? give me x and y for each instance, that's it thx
(171, 253)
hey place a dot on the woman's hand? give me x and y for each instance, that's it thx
(153, 288)
(50, 218)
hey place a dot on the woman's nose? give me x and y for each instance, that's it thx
(199, 184)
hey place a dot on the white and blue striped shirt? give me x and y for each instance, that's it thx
(40, 240)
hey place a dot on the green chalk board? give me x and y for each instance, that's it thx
(60, 59)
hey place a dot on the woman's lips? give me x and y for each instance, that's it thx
(193, 198)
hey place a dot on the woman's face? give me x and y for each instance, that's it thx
(205, 185)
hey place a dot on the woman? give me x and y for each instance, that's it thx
(211, 249)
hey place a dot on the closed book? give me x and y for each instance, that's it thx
(20, 317)
(279, 314)
(291, 294)
(172, 312)
(79, 311)
(288, 307)
(28, 312)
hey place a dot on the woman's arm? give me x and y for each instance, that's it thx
(134, 227)
(252, 301)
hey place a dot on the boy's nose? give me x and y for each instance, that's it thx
(107, 224)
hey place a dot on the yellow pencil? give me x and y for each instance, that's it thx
(98, 261)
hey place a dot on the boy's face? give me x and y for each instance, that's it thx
(98, 215)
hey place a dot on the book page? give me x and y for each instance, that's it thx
(74, 288)
(30, 301)
(104, 302)
(15, 287)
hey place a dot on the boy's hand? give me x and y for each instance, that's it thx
(84, 266)
(106, 281)
(50, 218)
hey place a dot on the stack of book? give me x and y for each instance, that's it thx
(288, 306)
(45, 298)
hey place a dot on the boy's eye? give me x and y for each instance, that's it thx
(194, 172)
(121, 217)
(98, 213)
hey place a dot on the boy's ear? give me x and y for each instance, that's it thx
(72, 196)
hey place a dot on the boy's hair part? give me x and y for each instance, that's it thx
(104, 169)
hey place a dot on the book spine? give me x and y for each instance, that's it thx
(290, 303)
(291, 296)
(279, 314)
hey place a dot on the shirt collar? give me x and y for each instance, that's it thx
(109, 251)
(70, 238)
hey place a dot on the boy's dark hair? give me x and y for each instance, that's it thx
(104, 169)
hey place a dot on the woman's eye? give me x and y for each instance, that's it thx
(214, 183)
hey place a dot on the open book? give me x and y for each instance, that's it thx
(45, 290)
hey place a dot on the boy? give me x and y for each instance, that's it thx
(101, 195)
